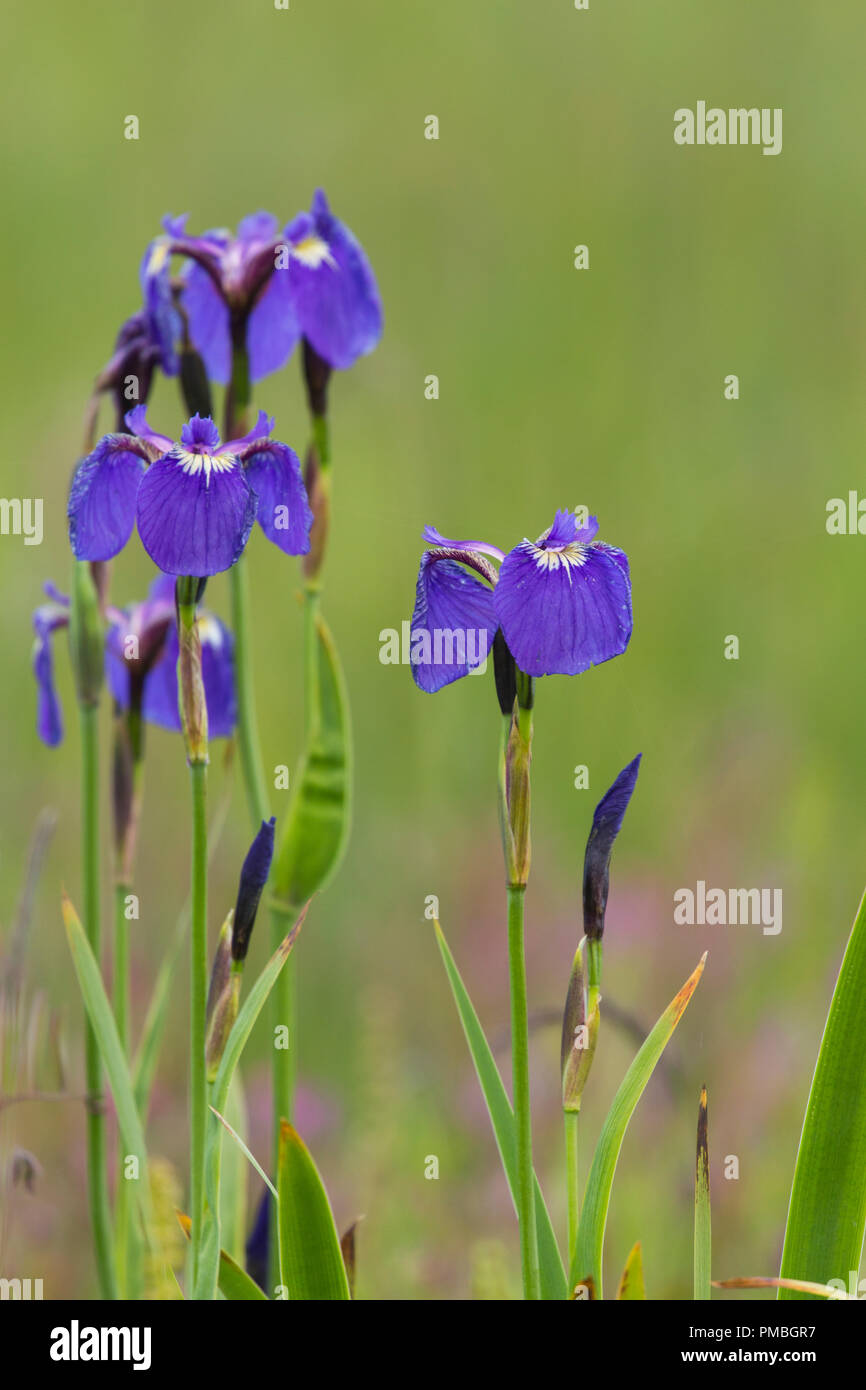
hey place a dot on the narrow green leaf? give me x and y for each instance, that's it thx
(827, 1214)
(311, 1261)
(101, 1017)
(233, 1178)
(209, 1253)
(631, 1285)
(317, 821)
(593, 1217)
(553, 1284)
(234, 1282)
(703, 1229)
(250, 1157)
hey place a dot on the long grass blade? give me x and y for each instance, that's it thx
(101, 1017)
(553, 1284)
(827, 1214)
(593, 1217)
(703, 1229)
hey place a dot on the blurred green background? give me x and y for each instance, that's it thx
(558, 387)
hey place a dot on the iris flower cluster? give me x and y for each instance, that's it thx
(195, 499)
(141, 645)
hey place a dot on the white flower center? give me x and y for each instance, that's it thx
(571, 556)
(206, 463)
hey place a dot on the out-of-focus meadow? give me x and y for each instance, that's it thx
(557, 387)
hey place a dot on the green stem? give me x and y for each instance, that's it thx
(123, 1206)
(571, 1119)
(197, 1003)
(97, 1169)
(248, 734)
(522, 1115)
(283, 1068)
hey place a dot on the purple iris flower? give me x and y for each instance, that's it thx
(151, 660)
(331, 286)
(268, 288)
(195, 502)
(563, 604)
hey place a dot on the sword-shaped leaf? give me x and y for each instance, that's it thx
(593, 1217)
(631, 1285)
(827, 1214)
(311, 1261)
(502, 1118)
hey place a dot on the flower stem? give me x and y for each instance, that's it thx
(97, 1172)
(197, 1003)
(520, 1073)
(571, 1119)
(283, 1005)
(248, 734)
(123, 1206)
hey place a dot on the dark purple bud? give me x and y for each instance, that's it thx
(606, 824)
(254, 876)
(504, 674)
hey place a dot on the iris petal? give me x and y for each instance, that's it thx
(562, 611)
(272, 328)
(160, 702)
(208, 320)
(195, 513)
(101, 508)
(274, 473)
(49, 718)
(333, 287)
(453, 624)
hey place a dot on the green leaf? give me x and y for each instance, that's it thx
(703, 1230)
(827, 1214)
(233, 1178)
(553, 1284)
(593, 1217)
(631, 1285)
(209, 1252)
(101, 1017)
(250, 1157)
(317, 821)
(311, 1262)
(234, 1283)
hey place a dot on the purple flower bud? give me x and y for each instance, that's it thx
(254, 876)
(606, 824)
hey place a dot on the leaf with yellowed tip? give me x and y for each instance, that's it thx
(348, 1249)
(234, 1283)
(631, 1285)
(703, 1237)
(593, 1216)
(795, 1285)
(311, 1262)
